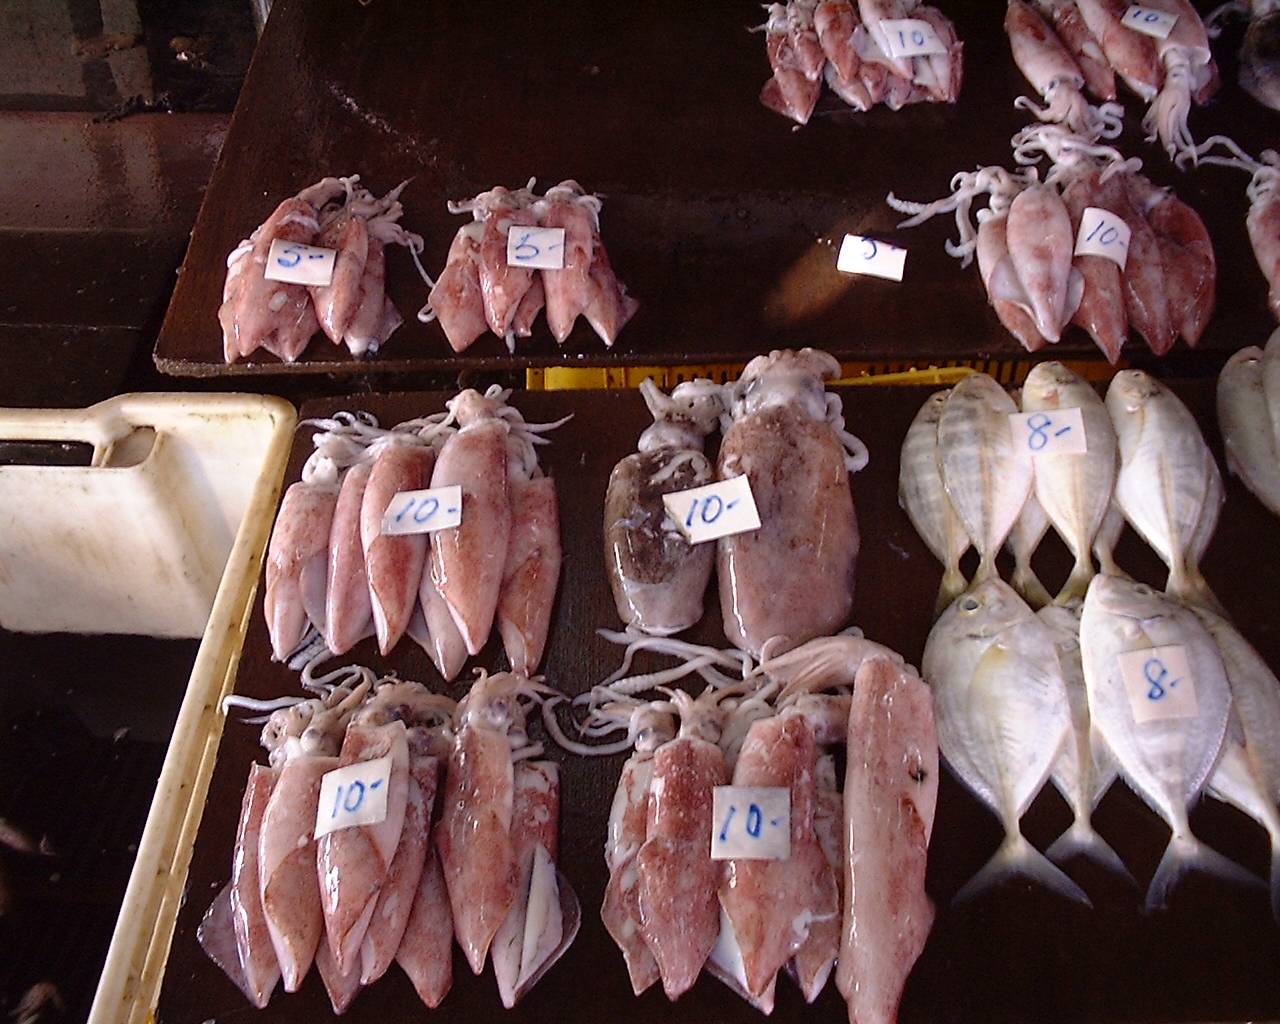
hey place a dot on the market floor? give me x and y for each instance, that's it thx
(112, 113)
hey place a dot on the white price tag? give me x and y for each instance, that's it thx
(910, 37)
(1058, 432)
(751, 823)
(1159, 683)
(438, 508)
(353, 795)
(715, 510)
(542, 248)
(859, 255)
(1103, 234)
(295, 263)
(1149, 22)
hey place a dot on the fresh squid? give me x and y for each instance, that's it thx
(658, 578)
(496, 864)
(352, 309)
(479, 287)
(792, 579)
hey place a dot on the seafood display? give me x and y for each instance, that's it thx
(376, 888)
(863, 51)
(281, 316)
(847, 896)
(334, 567)
(1248, 422)
(658, 577)
(1155, 272)
(491, 281)
(788, 580)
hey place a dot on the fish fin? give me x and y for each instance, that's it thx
(1186, 853)
(1190, 587)
(1077, 583)
(1081, 840)
(1029, 588)
(953, 585)
(1016, 856)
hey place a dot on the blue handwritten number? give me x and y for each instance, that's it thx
(1107, 237)
(434, 507)
(290, 250)
(724, 832)
(872, 248)
(524, 243)
(1037, 439)
(755, 822)
(1157, 672)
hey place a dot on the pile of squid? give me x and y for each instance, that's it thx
(1249, 418)
(1024, 696)
(331, 569)
(478, 864)
(790, 580)
(1161, 283)
(480, 289)
(1064, 47)
(353, 309)
(848, 894)
(846, 45)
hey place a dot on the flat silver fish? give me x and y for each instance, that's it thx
(1168, 486)
(1168, 755)
(986, 478)
(924, 498)
(1002, 715)
(1073, 489)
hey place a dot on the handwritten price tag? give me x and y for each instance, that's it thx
(1103, 234)
(1149, 22)
(438, 508)
(715, 510)
(542, 248)
(1159, 683)
(353, 795)
(750, 822)
(859, 255)
(909, 37)
(295, 263)
(1060, 432)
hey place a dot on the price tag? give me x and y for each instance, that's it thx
(296, 263)
(353, 795)
(1103, 234)
(859, 255)
(1149, 22)
(1159, 683)
(1060, 432)
(751, 822)
(715, 510)
(535, 247)
(910, 37)
(438, 508)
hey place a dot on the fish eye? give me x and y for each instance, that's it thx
(970, 604)
(1144, 590)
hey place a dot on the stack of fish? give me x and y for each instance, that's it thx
(1160, 276)
(784, 583)
(353, 308)
(848, 892)
(1249, 418)
(482, 287)
(1090, 42)
(331, 567)
(392, 887)
(853, 48)
(1023, 696)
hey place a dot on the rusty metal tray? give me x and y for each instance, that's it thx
(1020, 954)
(719, 216)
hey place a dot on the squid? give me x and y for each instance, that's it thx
(657, 577)
(792, 579)
(1070, 26)
(797, 58)
(496, 864)
(352, 309)
(456, 299)
(1190, 75)
(297, 560)
(1132, 55)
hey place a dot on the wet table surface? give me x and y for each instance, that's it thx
(1017, 954)
(721, 217)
